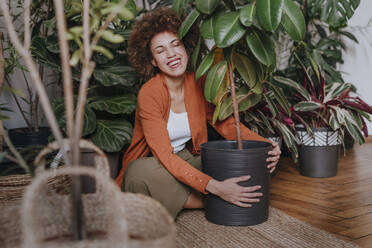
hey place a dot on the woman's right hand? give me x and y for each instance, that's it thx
(231, 191)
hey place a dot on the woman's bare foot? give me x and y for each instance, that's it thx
(195, 200)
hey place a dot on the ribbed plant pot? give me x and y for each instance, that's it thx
(23, 137)
(222, 160)
(318, 155)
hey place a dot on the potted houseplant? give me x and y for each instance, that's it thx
(325, 112)
(242, 33)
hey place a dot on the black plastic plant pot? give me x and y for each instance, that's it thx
(23, 137)
(318, 154)
(319, 161)
(222, 160)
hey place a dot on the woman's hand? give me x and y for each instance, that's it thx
(232, 192)
(274, 156)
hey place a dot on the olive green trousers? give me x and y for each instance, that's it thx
(147, 176)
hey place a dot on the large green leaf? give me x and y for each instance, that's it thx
(188, 22)
(43, 56)
(111, 136)
(336, 12)
(227, 106)
(289, 138)
(179, 5)
(247, 70)
(271, 104)
(207, 6)
(269, 13)
(207, 27)
(299, 88)
(114, 75)
(204, 66)
(227, 29)
(353, 129)
(262, 46)
(293, 20)
(195, 54)
(89, 121)
(307, 106)
(214, 80)
(247, 14)
(125, 104)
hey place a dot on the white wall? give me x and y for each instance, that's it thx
(357, 65)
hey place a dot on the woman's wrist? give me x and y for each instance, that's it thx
(212, 186)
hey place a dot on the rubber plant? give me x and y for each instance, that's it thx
(243, 33)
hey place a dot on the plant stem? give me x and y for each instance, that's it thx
(235, 107)
(2, 75)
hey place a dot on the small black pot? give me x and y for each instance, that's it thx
(318, 156)
(23, 137)
(222, 160)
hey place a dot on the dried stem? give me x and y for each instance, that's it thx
(25, 53)
(2, 76)
(235, 107)
(26, 18)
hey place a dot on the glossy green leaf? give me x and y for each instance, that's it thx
(262, 47)
(247, 70)
(227, 106)
(282, 100)
(270, 103)
(354, 131)
(207, 27)
(298, 87)
(178, 6)
(116, 75)
(109, 36)
(124, 104)
(247, 14)
(336, 13)
(289, 138)
(111, 136)
(207, 6)
(307, 106)
(42, 55)
(195, 54)
(269, 13)
(228, 29)
(214, 80)
(104, 51)
(187, 23)
(204, 66)
(333, 121)
(293, 20)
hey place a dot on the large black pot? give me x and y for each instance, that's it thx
(222, 160)
(23, 137)
(318, 155)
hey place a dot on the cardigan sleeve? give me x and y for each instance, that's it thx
(155, 131)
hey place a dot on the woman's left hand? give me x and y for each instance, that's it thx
(274, 156)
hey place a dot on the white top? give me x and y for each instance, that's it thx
(178, 130)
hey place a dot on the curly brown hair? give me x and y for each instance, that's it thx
(152, 23)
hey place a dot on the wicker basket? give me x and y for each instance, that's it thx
(12, 187)
(112, 218)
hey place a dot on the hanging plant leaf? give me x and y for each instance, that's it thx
(293, 20)
(214, 80)
(262, 47)
(247, 70)
(204, 66)
(228, 29)
(114, 75)
(247, 14)
(307, 106)
(269, 13)
(207, 27)
(125, 104)
(187, 23)
(207, 6)
(111, 136)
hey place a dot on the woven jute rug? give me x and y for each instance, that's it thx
(281, 230)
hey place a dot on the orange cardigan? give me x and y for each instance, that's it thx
(150, 129)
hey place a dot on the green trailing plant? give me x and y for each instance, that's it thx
(243, 33)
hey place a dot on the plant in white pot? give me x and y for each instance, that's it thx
(325, 111)
(243, 35)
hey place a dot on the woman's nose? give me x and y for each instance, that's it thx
(170, 52)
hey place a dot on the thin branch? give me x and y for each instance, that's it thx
(26, 18)
(25, 53)
(66, 69)
(14, 151)
(14, 160)
(2, 76)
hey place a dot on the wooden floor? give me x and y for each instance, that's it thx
(341, 205)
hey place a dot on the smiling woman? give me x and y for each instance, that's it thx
(170, 124)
